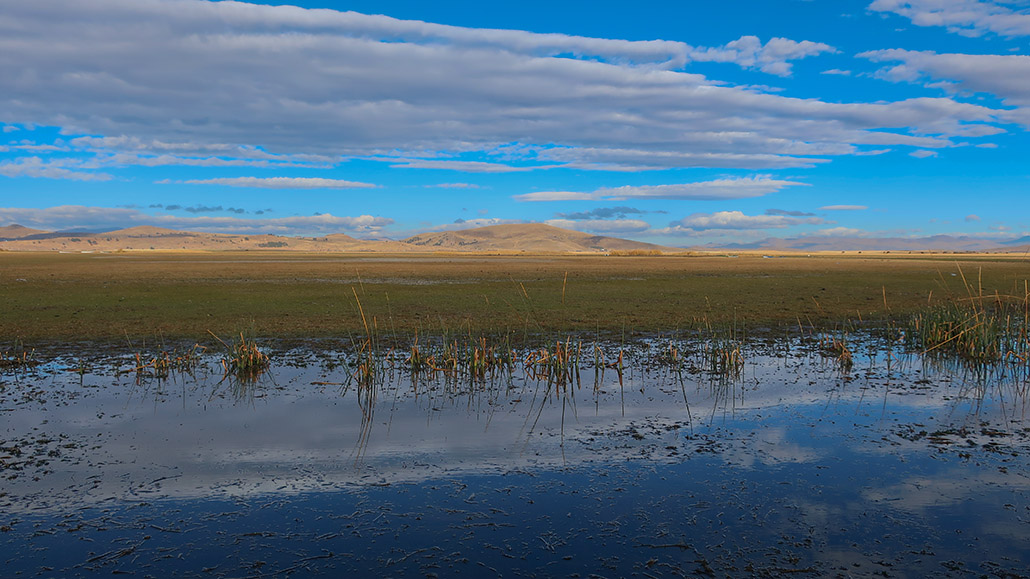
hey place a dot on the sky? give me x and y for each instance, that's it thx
(680, 123)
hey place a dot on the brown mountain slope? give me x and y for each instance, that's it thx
(15, 231)
(529, 237)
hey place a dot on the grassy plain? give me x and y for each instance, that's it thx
(179, 295)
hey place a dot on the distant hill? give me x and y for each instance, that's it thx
(510, 238)
(528, 238)
(15, 231)
(1025, 240)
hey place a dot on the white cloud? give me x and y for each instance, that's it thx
(923, 154)
(605, 226)
(9, 128)
(738, 220)
(1005, 76)
(966, 17)
(454, 186)
(465, 166)
(840, 232)
(730, 188)
(286, 81)
(843, 208)
(282, 183)
(972, 217)
(48, 169)
(837, 72)
(772, 57)
(106, 218)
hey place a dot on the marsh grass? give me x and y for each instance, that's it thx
(243, 360)
(20, 359)
(837, 348)
(466, 358)
(978, 328)
(164, 363)
(722, 352)
(558, 365)
(181, 295)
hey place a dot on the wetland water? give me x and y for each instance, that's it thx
(897, 467)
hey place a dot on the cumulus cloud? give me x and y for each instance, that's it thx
(972, 217)
(738, 220)
(843, 208)
(78, 217)
(966, 17)
(289, 82)
(282, 183)
(730, 188)
(923, 154)
(772, 57)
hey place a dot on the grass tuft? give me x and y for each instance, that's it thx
(243, 360)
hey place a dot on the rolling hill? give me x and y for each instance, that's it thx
(529, 238)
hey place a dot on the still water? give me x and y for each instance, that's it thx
(900, 466)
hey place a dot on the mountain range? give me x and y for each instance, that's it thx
(512, 238)
(527, 238)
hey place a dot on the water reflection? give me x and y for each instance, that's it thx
(796, 441)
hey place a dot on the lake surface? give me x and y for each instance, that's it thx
(901, 466)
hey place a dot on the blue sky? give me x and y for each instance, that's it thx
(679, 123)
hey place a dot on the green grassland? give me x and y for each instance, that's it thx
(62, 297)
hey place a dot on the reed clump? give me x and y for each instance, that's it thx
(164, 363)
(243, 359)
(838, 349)
(722, 350)
(558, 365)
(723, 357)
(979, 328)
(19, 360)
(468, 357)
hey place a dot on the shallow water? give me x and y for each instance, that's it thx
(899, 467)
